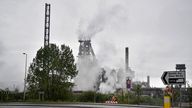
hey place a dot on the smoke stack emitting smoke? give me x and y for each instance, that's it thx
(91, 76)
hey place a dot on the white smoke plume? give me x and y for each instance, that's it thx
(88, 72)
(90, 27)
(90, 75)
(113, 63)
(116, 79)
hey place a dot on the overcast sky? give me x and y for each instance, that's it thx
(157, 32)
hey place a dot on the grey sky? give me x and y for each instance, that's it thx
(158, 33)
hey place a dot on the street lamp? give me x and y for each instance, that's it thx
(25, 75)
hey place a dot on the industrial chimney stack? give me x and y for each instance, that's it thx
(126, 59)
(148, 81)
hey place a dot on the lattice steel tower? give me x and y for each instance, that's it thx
(86, 51)
(47, 24)
(85, 48)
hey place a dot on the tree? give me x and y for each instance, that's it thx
(137, 89)
(51, 72)
(16, 94)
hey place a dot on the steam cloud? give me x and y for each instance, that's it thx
(88, 72)
(91, 76)
(89, 28)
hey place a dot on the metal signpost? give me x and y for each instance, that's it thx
(177, 77)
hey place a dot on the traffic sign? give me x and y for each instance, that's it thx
(164, 78)
(173, 77)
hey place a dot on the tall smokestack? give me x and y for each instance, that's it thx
(126, 59)
(148, 81)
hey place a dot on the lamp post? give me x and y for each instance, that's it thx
(25, 75)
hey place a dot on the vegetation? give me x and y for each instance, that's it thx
(91, 96)
(7, 95)
(88, 96)
(137, 90)
(190, 94)
(50, 73)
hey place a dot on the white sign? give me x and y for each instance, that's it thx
(176, 74)
(173, 77)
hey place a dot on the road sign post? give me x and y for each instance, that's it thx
(177, 77)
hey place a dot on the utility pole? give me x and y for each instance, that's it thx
(24, 91)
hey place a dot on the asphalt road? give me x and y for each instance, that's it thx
(24, 105)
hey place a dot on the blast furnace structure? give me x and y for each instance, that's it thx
(87, 67)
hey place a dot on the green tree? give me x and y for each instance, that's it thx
(51, 72)
(16, 94)
(137, 89)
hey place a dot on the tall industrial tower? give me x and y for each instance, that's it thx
(130, 73)
(46, 44)
(126, 59)
(85, 49)
(47, 24)
(87, 66)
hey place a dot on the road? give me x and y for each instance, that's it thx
(27, 105)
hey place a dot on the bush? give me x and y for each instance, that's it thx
(85, 97)
(101, 98)
(7, 95)
(151, 101)
(91, 96)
